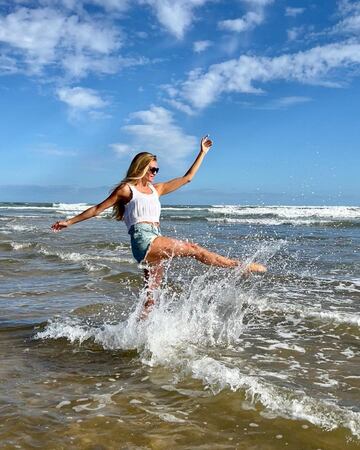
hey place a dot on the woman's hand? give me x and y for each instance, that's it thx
(205, 144)
(59, 225)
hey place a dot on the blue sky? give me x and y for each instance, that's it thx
(85, 85)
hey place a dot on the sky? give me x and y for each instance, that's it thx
(86, 84)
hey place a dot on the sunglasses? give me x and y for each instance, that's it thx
(154, 170)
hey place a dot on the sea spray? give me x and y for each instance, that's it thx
(208, 310)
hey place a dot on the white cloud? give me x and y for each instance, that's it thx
(285, 102)
(79, 66)
(249, 21)
(45, 37)
(346, 7)
(350, 22)
(180, 106)
(175, 15)
(293, 12)
(255, 16)
(35, 32)
(81, 99)
(200, 46)
(111, 5)
(294, 33)
(155, 130)
(83, 35)
(257, 3)
(8, 65)
(314, 66)
(78, 5)
(122, 149)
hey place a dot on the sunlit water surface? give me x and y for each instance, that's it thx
(224, 361)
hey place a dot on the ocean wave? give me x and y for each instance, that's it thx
(278, 222)
(21, 245)
(281, 401)
(292, 213)
(338, 216)
(180, 218)
(27, 207)
(21, 228)
(82, 257)
(57, 207)
(184, 208)
(70, 207)
(305, 312)
(122, 249)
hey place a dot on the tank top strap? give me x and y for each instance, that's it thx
(132, 189)
(154, 191)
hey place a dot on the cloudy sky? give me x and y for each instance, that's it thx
(85, 84)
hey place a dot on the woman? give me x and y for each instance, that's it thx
(136, 201)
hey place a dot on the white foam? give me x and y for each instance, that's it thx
(83, 257)
(21, 228)
(285, 346)
(73, 207)
(180, 217)
(166, 417)
(308, 312)
(26, 207)
(184, 208)
(349, 353)
(280, 401)
(63, 403)
(291, 212)
(269, 222)
(20, 246)
(353, 287)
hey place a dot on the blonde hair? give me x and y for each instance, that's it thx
(137, 170)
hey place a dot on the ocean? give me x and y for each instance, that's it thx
(223, 362)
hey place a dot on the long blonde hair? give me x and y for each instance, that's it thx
(137, 169)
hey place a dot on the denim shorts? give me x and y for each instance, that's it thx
(142, 235)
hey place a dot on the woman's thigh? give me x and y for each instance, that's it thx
(164, 247)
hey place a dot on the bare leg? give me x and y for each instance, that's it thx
(153, 277)
(163, 248)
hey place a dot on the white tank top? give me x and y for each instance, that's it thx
(142, 207)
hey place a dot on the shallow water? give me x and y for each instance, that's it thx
(266, 362)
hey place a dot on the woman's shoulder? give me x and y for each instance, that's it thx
(124, 191)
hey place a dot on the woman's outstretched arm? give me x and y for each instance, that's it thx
(176, 183)
(122, 193)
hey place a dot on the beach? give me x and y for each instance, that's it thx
(224, 361)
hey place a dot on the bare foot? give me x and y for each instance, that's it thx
(256, 268)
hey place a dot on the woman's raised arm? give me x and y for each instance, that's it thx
(122, 193)
(176, 183)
